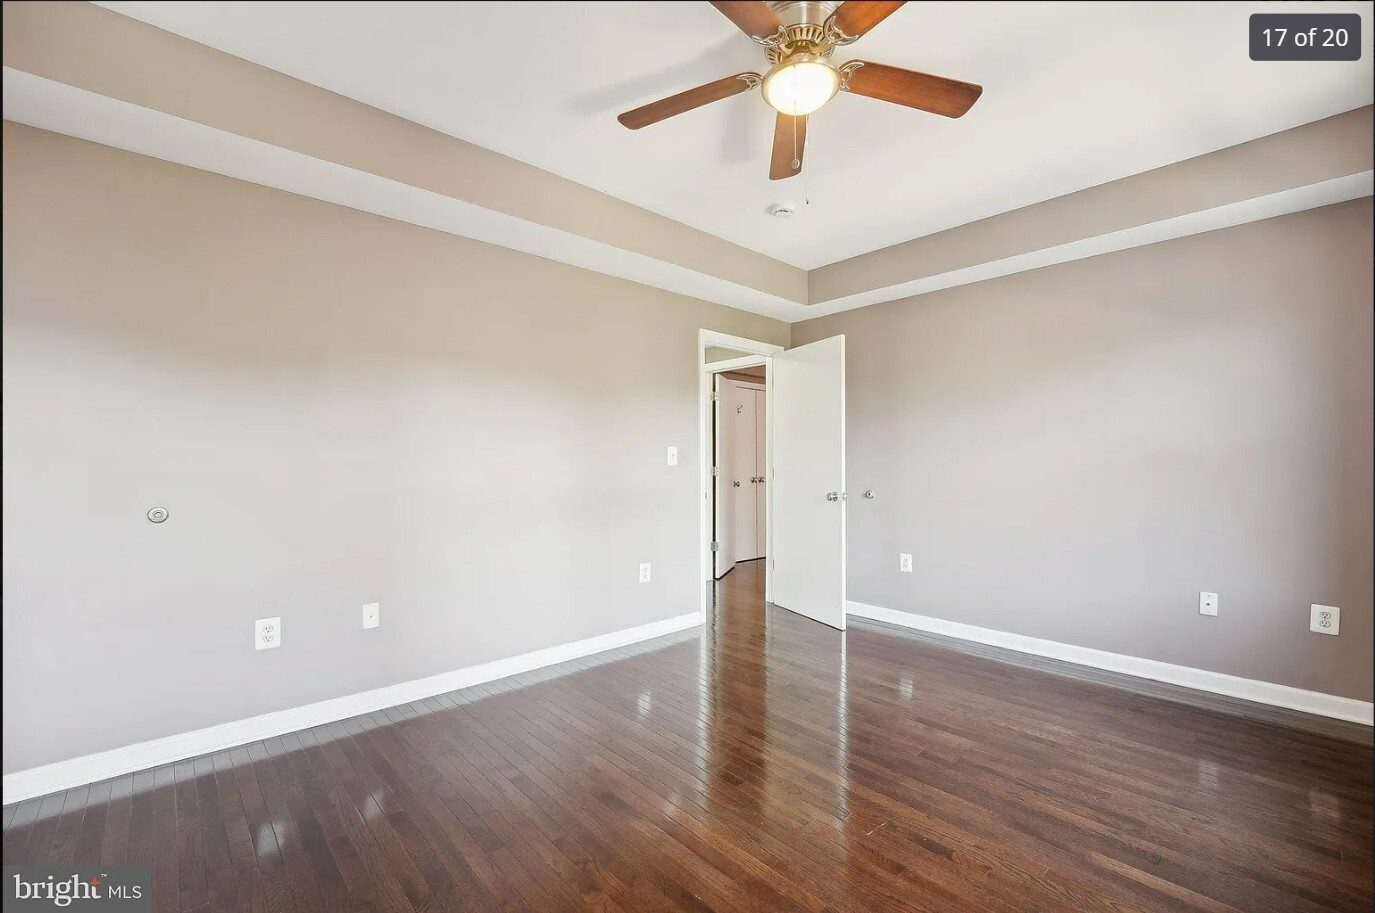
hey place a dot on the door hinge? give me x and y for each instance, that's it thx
(715, 472)
(715, 397)
(715, 546)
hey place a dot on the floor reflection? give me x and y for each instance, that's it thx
(776, 709)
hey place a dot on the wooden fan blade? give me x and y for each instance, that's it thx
(753, 17)
(855, 17)
(685, 101)
(787, 146)
(947, 97)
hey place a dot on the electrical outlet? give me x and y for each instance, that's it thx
(1325, 619)
(644, 572)
(672, 456)
(1207, 603)
(267, 633)
(905, 562)
(372, 615)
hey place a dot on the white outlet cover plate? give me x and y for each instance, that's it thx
(267, 633)
(1207, 603)
(1324, 619)
(904, 562)
(644, 572)
(372, 615)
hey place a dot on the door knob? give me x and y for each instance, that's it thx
(832, 496)
(735, 484)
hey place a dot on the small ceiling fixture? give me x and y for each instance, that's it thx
(782, 210)
(799, 37)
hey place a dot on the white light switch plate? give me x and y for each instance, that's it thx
(1325, 619)
(1207, 603)
(904, 562)
(644, 572)
(267, 633)
(372, 615)
(673, 456)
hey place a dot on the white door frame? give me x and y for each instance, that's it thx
(760, 354)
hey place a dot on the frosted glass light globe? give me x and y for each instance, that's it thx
(800, 84)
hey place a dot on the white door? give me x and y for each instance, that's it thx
(722, 512)
(744, 468)
(808, 480)
(761, 476)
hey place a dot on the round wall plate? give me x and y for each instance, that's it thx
(157, 514)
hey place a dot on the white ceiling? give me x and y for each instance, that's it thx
(1075, 94)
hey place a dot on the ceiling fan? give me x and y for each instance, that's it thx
(799, 37)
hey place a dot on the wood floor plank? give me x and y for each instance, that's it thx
(165, 844)
(255, 849)
(114, 839)
(86, 846)
(764, 762)
(191, 857)
(68, 826)
(38, 839)
(356, 851)
(282, 830)
(363, 805)
(471, 873)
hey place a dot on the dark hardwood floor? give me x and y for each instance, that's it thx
(766, 763)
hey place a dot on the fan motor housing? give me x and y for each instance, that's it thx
(801, 12)
(803, 28)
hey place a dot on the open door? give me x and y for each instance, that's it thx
(723, 559)
(808, 417)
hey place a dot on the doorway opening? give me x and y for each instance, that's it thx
(735, 441)
(773, 470)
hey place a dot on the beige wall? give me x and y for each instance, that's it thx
(1074, 453)
(336, 409)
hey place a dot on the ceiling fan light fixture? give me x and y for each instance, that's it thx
(800, 84)
(799, 37)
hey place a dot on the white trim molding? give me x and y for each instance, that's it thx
(1315, 702)
(62, 775)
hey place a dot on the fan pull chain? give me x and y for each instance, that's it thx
(797, 162)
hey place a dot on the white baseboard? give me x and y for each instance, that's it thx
(51, 778)
(1329, 705)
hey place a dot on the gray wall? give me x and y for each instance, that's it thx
(1074, 453)
(337, 409)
